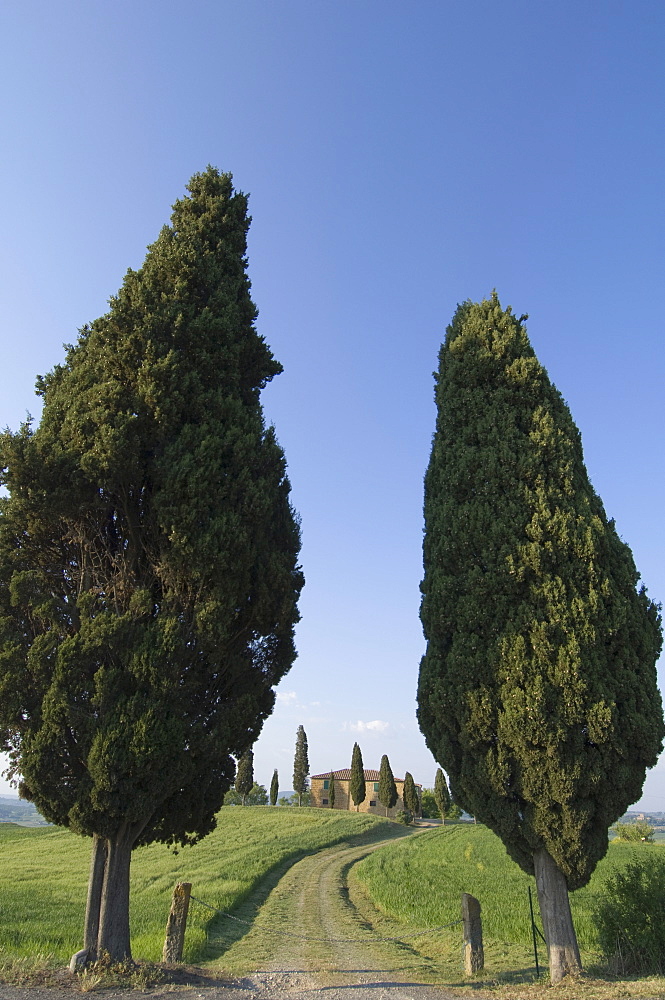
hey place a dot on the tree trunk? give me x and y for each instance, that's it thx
(562, 949)
(114, 911)
(94, 900)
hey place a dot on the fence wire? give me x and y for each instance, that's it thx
(304, 937)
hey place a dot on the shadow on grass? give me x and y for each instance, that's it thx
(224, 931)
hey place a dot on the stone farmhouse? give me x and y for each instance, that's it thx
(320, 792)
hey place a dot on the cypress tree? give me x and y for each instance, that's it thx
(274, 788)
(387, 786)
(245, 775)
(148, 558)
(411, 800)
(300, 765)
(538, 690)
(357, 786)
(441, 794)
(331, 795)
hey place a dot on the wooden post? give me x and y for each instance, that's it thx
(175, 927)
(474, 958)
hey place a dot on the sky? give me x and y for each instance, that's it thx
(400, 158)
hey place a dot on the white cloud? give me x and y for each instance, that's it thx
(375, 728)
(287, 697)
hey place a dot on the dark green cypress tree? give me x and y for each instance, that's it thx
(411, 800)
(274, 788)
(300, 765)
(245, 775)
(331, 794)
(538, 690)
(357, 786)
(148, 558)
(441, 794)
(387, 786)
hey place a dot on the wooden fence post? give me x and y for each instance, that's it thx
(474, 958)
(175, 927)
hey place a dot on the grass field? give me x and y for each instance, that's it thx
(44, 875)
(419, 881)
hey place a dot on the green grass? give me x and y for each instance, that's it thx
(44, 875)
(419, 882)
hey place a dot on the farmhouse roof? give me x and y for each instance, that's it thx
(345, 775)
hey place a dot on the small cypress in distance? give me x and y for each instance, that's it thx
(331, 793)
(441, 794)
(538, 690)
(357, 786)
(274, 788)
(245, 775)
(300, 765)
(387, 786)
(411, 800)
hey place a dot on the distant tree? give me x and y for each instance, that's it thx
(387, 786)
(357, 787)
(538, 690)
(441, 794)
(257, 796)
(148, 558)
(300, 765)
(296, 800)
(245, 775)
(428, 807)
(331, 793)
(274, 788)
(411, 800)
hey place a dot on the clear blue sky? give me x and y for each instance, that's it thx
(400, 158)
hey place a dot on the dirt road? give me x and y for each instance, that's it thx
(305, 938)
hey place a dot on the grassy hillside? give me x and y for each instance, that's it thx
(419, 881)
(45, 872)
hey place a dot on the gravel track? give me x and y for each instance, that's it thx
(308, 939)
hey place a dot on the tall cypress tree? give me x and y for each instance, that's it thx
(387, 786)
(441, 794)
(274, 788)
(148, 558)
(411, 800)
(538, 690)
(331, 794)
(300, 765)
(245, 775)
(357, 786)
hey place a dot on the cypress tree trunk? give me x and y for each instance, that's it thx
(94, 901)
(563, 952)
(114, 911)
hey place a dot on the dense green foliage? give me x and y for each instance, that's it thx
(630, 917)
(411, 800)
(387, 786)
(300, 764)
(245, 775)
(538, 690)
(274, 788)
(331, 792)
(43, 902)
(148, 551)
(148, 576)
(357, 787)
(256, 796)
(638, 831)
(441, 793)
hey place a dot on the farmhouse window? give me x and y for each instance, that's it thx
(326, 784)
(324, 802)
(376, 786)
(372, 802)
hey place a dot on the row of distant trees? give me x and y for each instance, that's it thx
(430, 802)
